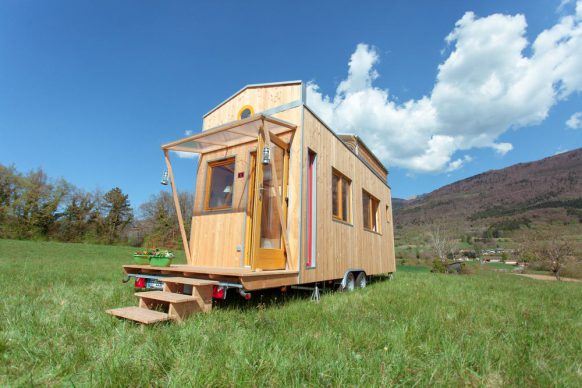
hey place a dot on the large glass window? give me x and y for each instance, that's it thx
(219, 185)
(270, 225)
(370, 207)
(341, 196)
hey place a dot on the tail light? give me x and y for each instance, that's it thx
(140, 283)
(218, 292)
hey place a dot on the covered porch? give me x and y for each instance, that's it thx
(249, 279)
(263, 133)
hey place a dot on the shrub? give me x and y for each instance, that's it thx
(438, 266)
(466, 269)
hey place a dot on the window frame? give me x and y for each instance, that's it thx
(311, 254)
(373, 214)
(208, 187)
(341, 178)
(241, 110)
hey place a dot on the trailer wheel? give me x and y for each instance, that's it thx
(350, 283)
(361, 280)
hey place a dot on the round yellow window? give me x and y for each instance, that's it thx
(245, 112)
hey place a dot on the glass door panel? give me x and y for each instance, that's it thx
(268, 240)
(270, 226)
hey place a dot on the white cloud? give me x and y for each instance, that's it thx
(575, 121)
(502, 148)
(485, 87)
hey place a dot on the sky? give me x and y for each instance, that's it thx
(439, 90)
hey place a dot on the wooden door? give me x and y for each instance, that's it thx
(268, 244)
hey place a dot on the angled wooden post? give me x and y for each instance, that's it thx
(278, 206)
(178, 209)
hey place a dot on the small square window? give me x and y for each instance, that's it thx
(341, 196)
(219, 185)
(370, 207)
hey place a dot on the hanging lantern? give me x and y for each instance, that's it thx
(165, 178)
(266, 155)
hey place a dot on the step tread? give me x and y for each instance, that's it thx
(139, 314)
(163, 296)
(189, 281)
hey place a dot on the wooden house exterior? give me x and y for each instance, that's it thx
(312, 208)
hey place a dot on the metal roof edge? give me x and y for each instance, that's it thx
(357, 156)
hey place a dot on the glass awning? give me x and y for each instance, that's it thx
(230, 135)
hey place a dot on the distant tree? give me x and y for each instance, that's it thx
(75, 222)
(96, 229)
(555, 253)
(10, 181)
(159, 219)
(119, 213)
(440, 240)
(549, 250)
(36, 206)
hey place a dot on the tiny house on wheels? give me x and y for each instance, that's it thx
(281, 200)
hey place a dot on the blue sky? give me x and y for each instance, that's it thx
(90, 90)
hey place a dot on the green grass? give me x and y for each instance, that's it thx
(419, 328)
(412, 268)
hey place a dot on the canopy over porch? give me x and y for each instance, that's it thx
(230, 135)
(261, 128)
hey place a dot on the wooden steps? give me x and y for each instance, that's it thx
(139, 314)
(168, 297)
(181, 298)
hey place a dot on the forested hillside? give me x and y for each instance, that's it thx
(548, 190)
(34, 206)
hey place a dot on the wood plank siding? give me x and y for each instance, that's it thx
(218, 238)
(342, 246)
(260, 98)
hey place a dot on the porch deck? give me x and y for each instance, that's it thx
(251, 280)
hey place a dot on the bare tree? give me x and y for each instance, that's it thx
(440, 240)
(555, 253)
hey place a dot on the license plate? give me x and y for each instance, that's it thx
(154, 283)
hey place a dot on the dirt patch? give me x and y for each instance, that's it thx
(547, 277)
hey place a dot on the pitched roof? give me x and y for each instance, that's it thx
(253, 86)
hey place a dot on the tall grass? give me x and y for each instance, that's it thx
(419, 328)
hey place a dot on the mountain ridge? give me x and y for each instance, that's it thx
(528, 189)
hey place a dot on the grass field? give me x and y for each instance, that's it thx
(419, 328)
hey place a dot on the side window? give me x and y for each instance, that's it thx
(370, 207)
(219, 185)
(341, 196)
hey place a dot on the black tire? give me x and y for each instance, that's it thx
(361, 280)
(350, 283)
